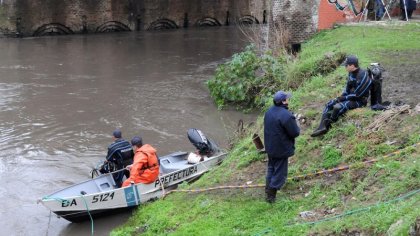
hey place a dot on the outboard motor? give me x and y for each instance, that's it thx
(204, 146)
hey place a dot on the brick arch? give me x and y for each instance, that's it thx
(208, 21)
(162, 24)
(248, 20)
(112, 26)
(52, 29)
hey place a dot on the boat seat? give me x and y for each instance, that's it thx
(105, 184)
(173, 162)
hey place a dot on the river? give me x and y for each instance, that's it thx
(61, 97)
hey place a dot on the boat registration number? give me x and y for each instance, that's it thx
(103, 197)
(97, 198)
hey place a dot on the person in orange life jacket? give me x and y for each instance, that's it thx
(120, 153)
(355, 95)
(145, 168)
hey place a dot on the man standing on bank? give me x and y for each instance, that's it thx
(280, 131)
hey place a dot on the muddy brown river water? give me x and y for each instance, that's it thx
(61, 98)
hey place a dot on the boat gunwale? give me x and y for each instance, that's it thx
(48, 198)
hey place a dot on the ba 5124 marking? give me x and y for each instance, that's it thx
(103, 197)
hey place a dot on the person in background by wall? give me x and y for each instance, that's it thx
(145, 168)
(120, 153)
(280, 131)
(380, 9)
(411, 7)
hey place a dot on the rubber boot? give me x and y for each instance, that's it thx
(271, 195)
(267, 191)
(324, 125)
(378, 107)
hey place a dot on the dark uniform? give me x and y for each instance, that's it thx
(121, 154)
(280, 131)
(355, 95)
(411, 7)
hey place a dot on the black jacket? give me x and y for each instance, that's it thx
(280, 131)
(411, 4)
(121, 153)
(358, 86)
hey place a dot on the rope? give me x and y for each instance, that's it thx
(48, 226)
(357, 210)
(203, 190)
(386, 117)
(90, 216)
(61, 201)
(294, 178)
(162, 187)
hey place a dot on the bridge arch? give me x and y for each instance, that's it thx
(162, 24)
(248, 20)
(112, 26)
(208, 21)
(52, 29)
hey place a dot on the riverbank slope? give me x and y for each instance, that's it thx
(368, 199)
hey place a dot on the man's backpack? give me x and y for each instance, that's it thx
(375, 74)
(375, 71)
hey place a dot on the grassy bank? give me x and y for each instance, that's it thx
(367, 199)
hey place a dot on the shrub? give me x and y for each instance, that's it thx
(247, 80)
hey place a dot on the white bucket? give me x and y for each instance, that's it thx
(194, 158)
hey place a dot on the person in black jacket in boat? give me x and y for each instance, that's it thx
(121, 154)
(280, 131)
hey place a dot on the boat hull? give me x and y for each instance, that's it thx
(80, 216)
(99, 196)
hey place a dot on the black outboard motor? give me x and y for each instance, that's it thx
(204, 146)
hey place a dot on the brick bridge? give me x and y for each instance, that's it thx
(49, 17)
(302, 18)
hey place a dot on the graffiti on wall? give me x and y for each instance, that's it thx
(347, 5)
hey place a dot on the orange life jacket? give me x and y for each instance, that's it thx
(145, 168)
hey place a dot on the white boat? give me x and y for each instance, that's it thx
(100, 195)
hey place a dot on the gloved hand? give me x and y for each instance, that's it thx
(340, 99)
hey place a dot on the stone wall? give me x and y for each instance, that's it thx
(301, 18)
(298, 17)
(48, 17)
(6, 14)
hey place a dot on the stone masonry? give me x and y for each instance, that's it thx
(298, 17)
(49, 17)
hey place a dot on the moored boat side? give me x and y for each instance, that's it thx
(100, 196)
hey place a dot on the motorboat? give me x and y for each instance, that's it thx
(101, 196)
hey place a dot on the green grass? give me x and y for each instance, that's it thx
(244, 212)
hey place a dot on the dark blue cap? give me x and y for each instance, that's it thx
(136, 141)
(350, 60)
(280, 96)
(117, 133)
